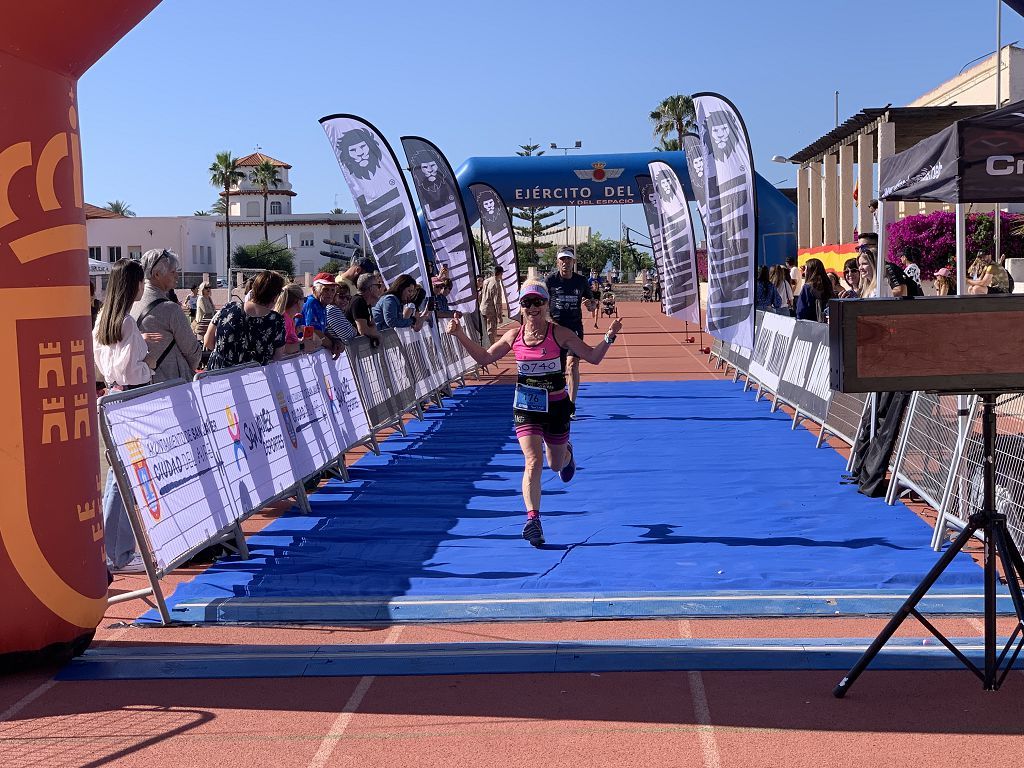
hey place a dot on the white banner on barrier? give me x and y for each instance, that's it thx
(300, 399)
(344, 403)
(249, 439)
(162, 441)
(435, 359)
(769, 355)
(466, 361)
(401, 377)
(412, 341)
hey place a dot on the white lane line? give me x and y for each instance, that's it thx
(341, 722)
(705, 730)
(25, 700)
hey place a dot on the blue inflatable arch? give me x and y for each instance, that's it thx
(610, 180)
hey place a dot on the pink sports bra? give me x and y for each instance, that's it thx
(540, 365)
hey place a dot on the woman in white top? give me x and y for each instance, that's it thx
(122, 356)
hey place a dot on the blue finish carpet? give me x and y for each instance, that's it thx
(690, 499)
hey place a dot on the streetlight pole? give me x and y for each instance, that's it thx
(565, 210)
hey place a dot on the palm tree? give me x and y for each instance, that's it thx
(337, 210)
(667, 145)
(120, 207)
(224, 174)
(264, 176)
(200, 213)
(218, 207)
(674, 115)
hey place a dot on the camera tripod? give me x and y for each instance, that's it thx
(998, 544)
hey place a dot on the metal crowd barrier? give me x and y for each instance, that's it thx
(963, 495)
(193, 460)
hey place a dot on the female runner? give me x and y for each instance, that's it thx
(541, 407)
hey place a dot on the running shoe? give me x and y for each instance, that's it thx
(566, 473)
(135, 565)
(533, 532)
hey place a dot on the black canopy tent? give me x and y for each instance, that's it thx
(975, 160)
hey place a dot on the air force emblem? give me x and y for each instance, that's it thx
(598, 172)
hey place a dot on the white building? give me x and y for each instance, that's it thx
(193, 238)
(201, 240)
(304, 233)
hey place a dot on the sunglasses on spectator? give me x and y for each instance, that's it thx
(532, 302)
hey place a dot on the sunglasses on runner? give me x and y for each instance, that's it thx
(532, 302)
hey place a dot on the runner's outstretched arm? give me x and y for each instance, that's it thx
(498, 349)
(593, 355)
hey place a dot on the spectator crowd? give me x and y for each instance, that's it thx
(804, 291)
(143, 335)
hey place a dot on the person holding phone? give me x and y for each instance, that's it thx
(397, 307)
(541, 407)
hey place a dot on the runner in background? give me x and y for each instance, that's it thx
(569, 294)
(541, 407)
(595, 293)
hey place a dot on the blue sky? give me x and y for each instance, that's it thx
(196, 77)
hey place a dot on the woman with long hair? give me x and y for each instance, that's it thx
(766, 297)
(204, 310)
(851, 274)
(812, 302)
(288, 305)
(397, 307)
(868, 277)
(944, 283)
(252, 332)
(779, 276)
(541, 408)
(122, 356)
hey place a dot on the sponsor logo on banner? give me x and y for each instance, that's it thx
(680, 297)
(330, 395)
(598, 172)
(144, 477)
(501, 239)
(235, 433)
(382, 199)
(286, 419)
(447, 225)
(731, 219)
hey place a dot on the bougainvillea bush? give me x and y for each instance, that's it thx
(702, 263)
(933, 238)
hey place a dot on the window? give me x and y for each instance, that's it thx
(275, 208)
(355, 238)
(306, 240)
(135, 252)
(305, 266)
(113, 252)
(195, 254)
(209, 254)
(96, 252)
(252, 208)
(348, 238)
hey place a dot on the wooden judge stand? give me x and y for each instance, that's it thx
(968, 345)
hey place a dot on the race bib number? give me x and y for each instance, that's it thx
(533, 399)
(539, 367)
